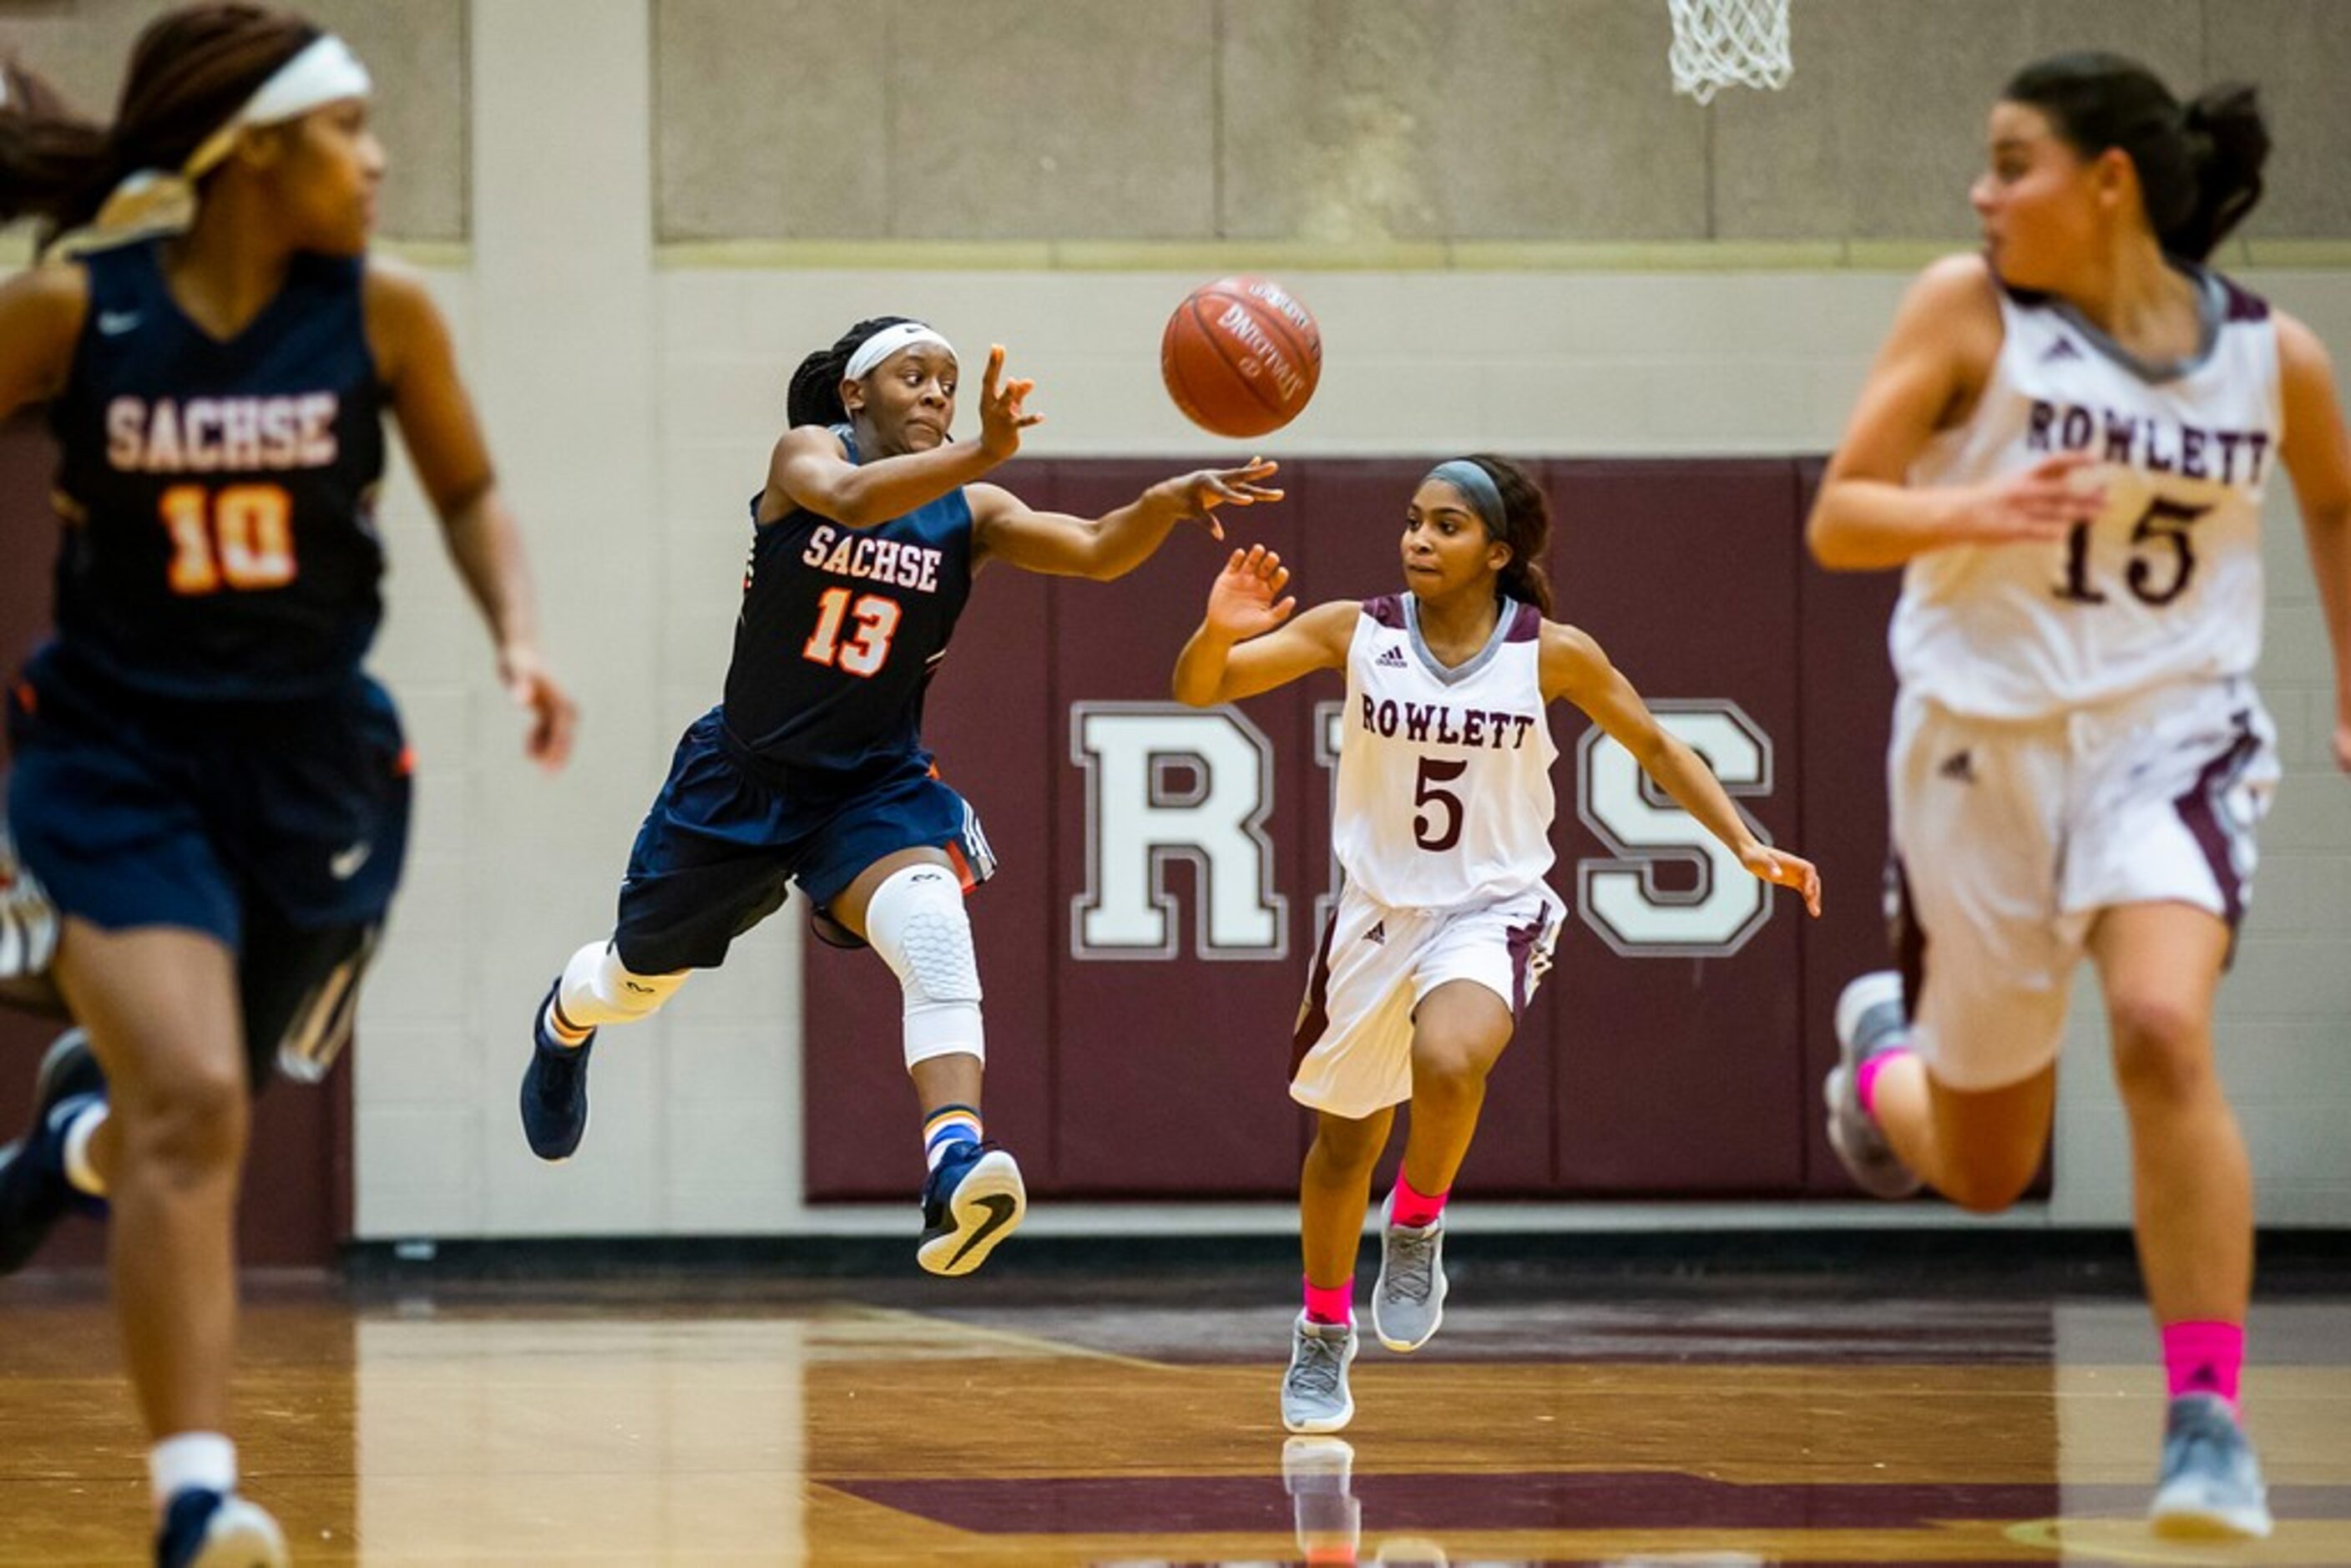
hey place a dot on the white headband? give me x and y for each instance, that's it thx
(325, 71)
(888, 342)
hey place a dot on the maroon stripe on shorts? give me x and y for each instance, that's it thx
(2198, 810)
(1523, 940)
(1904, 935)
(1314, 1013)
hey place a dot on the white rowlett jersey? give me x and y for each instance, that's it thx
(2166, 584)
(1445, 795)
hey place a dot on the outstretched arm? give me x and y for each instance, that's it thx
(1117, 542)
(2318, 457)
(1573, 667)
(1247, 643)
(417, 364)
(1926, 378)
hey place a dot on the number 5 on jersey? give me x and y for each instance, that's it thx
(874, 620)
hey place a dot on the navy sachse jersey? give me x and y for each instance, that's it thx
(219, 541)
(840, 631)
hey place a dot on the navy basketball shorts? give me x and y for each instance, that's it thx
(276, 827)
(729, 833)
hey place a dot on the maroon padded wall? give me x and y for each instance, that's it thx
(1165, 1077)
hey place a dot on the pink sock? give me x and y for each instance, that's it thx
(2203, 1358)
(1331, 1303)
(1864, 1078)
(1414, 1207)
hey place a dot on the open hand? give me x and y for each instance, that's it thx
(2042, 504)
(1788, 871)
(1246, 600)
(1198, 494)
(1002, 413)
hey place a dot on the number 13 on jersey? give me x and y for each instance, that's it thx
(872, 620)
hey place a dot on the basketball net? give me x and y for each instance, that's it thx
(1729, 43)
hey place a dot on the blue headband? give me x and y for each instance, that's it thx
(1479, 487)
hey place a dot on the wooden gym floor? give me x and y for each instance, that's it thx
(1115, 1419)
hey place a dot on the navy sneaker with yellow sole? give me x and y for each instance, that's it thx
(971, 1202)
(555, 1087)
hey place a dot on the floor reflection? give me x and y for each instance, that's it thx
(549, 1424)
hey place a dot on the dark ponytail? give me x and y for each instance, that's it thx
(1526, 528)
(2200, 169)
(2229, 141)
(190, 71)
(52, 159)
(815, 394)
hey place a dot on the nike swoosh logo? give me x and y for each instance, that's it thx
(114, 323)
(999, 1208)
(346, 864)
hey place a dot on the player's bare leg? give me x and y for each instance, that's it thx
(2192, 1204)
(1978, 1149)
(1458, 1031)
(162, 1009)
(1334, 1191)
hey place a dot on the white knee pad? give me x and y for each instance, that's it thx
(915, 920)
(598, 989)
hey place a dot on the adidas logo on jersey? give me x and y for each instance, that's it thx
(2064, 347)
(1378, 933)
(1391, 658)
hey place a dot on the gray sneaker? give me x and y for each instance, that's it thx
(1869, 1020)
(1314, 1396)
(2210, 1489)
(1408, 1302)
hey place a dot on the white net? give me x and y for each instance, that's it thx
(1729, 43)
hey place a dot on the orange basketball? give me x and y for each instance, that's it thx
(1240, 356)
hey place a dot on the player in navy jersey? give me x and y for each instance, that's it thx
(811, 771)
(2065, 443)
(1442, 823)
(212, 793)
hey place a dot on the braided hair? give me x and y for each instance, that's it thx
(191, 70)
(815, 394)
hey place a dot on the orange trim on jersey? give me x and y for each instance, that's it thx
(27, 698)
(955, 859)
(406, 765)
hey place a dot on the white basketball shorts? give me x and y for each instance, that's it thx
(1353, 1046)
(2009, 840)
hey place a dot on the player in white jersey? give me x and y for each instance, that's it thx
(1443, 828)
(2064, 443)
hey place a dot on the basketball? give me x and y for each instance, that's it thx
(1240, 356)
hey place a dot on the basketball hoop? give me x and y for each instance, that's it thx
(1729, 43)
